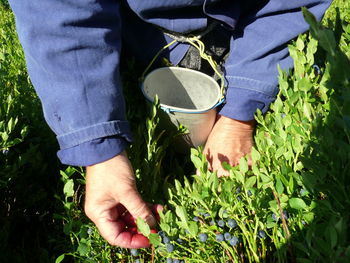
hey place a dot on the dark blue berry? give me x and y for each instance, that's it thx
(221, 223)
(175, 260)
(233, 241)
(137, 261)
(231, 223)
(227, 236)
(196, 219)
(134, 252)
(285, 214)
(5, 152)
(90, 231)
(166, 239)
(274, 217)
(169, 260)
(239, 198)
(180, 241)
(219, 237)
(261, 234)
(317, 69)
(249, 193)
(206, 215)
(161, 233)
(203, 237)
(238, 190)
(170, 248)
(212, 222)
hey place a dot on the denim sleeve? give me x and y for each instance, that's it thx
(258, 45)
(72, 50)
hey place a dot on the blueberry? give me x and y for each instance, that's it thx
(227, 236)
(5, 152)
(261, 234)
(134, 252)
(161, 233)
(238, 190)
(283, 115)
(274, 217)
(180, 241)
(317, 69)
(221, 223)
(90, 231)
(212, 222)
(196, 219)
(175, 260)
(249, 193)
(203, 237)
(239, 198)
(170, 248)
(182, 261)
(231, 223)
(166, 239)
(137, 261)
(234, 241)
(169, 260)
(285, 214)
(219, 237)
(303, 192)
(206, 215)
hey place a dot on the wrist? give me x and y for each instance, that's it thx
(237, 124)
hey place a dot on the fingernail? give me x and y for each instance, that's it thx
(151, 221)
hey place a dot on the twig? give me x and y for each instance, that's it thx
(285, 227)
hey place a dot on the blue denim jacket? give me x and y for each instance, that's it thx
(72, 50)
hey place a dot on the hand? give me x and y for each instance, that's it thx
(228, 141)
(112, 202)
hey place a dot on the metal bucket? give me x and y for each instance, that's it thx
(186, 96)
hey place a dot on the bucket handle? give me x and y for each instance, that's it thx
(198, 44)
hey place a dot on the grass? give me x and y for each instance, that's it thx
(292, 206)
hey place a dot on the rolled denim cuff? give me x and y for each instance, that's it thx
(241, 104)
(93, 152)
(100, 130)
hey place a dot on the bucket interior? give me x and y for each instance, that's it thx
(181, 88)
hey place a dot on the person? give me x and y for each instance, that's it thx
(73, 48)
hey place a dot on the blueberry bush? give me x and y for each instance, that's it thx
(291, 205)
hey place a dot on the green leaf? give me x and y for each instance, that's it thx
(279, 186)
(143, 227)
(226, 166)
(193, 228)
(255, 155)
(196, 161)
(297, 203)
(300, 44)
(181, 213)
(154, 239)
(243, 165)
(83, 248)
(60, 258)
(68, 188)
(250, 182)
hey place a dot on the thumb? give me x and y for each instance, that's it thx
(133, 202)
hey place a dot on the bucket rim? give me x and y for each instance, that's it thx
(168, 108)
